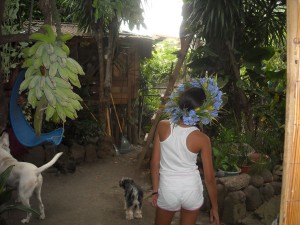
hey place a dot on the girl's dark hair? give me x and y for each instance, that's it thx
(191, 98)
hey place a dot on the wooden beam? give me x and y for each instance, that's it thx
(290, 194)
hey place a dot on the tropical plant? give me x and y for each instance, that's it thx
(229, 30)
(226, 149)
(48, 78)
(5, 197)
(155, 72)
(10, 53)
(81, 131)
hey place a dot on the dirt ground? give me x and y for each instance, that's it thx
(92, 196)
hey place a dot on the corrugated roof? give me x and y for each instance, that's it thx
(73, 29)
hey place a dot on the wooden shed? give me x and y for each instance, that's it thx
(131, 50)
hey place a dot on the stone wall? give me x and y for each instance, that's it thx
(248, 199)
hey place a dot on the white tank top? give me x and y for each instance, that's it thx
(175, 157)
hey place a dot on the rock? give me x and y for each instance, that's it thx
(257, 181)
(221, 197)
(277, 170)
(235, 209)
(77, 152)
(276, 177)
(36, 156)
(235, 183)
(268, 211)
(92, 140)
(51, 150)
(251, 219)
(267, 175)
(277, 187)
(267, 191)
(91, 153)
(277, 173)
(253, 198)
(220, 173)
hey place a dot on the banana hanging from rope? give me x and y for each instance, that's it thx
(50, 76)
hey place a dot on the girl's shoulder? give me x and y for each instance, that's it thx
(163, 129)
(199, 137)
(164, 124)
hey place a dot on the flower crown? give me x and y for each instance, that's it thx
(203, 114)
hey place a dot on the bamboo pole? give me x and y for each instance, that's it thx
(290, 194)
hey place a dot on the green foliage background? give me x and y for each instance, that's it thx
(155, 72)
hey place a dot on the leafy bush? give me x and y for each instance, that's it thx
(80, 131)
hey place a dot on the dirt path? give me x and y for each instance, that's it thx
(91, 196)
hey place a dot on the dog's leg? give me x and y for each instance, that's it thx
(25, 192)
(138, 212)
(138, 209)
(129, 214)
(39, 197)
(25, 201)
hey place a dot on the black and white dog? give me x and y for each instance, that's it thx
(133, 198)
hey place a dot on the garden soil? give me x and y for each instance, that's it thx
(92, 196)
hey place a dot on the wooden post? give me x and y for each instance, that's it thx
(290, 194)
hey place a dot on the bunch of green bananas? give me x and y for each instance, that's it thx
(50, 76)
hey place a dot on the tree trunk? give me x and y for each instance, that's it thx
(56, 18)
(146, 150)
(99, 36)
(239, 93)
(46, 8)
(113, 30)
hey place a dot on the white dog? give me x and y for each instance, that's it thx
(26, 177)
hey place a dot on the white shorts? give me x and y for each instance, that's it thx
(180, 191)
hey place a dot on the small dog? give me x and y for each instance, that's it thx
(133, 198)
(26, 177)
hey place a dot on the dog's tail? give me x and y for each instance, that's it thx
(50, 163)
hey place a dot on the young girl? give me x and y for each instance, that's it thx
(176, 181)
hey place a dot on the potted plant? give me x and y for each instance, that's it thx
(245, 150)
(226, 159)
(259, 162)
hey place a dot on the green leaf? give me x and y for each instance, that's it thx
(5, 196)
(256, 55)
(4, 208)
(4, 176)
(274, 75)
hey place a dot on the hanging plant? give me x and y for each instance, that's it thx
(50, 77)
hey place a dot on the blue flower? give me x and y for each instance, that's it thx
(203, 81)
(205, 121)
(190, 118)
(195, 83)
(205, 113)
(180, 87)
(213, 89)
(214, 113)
(217, 104)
